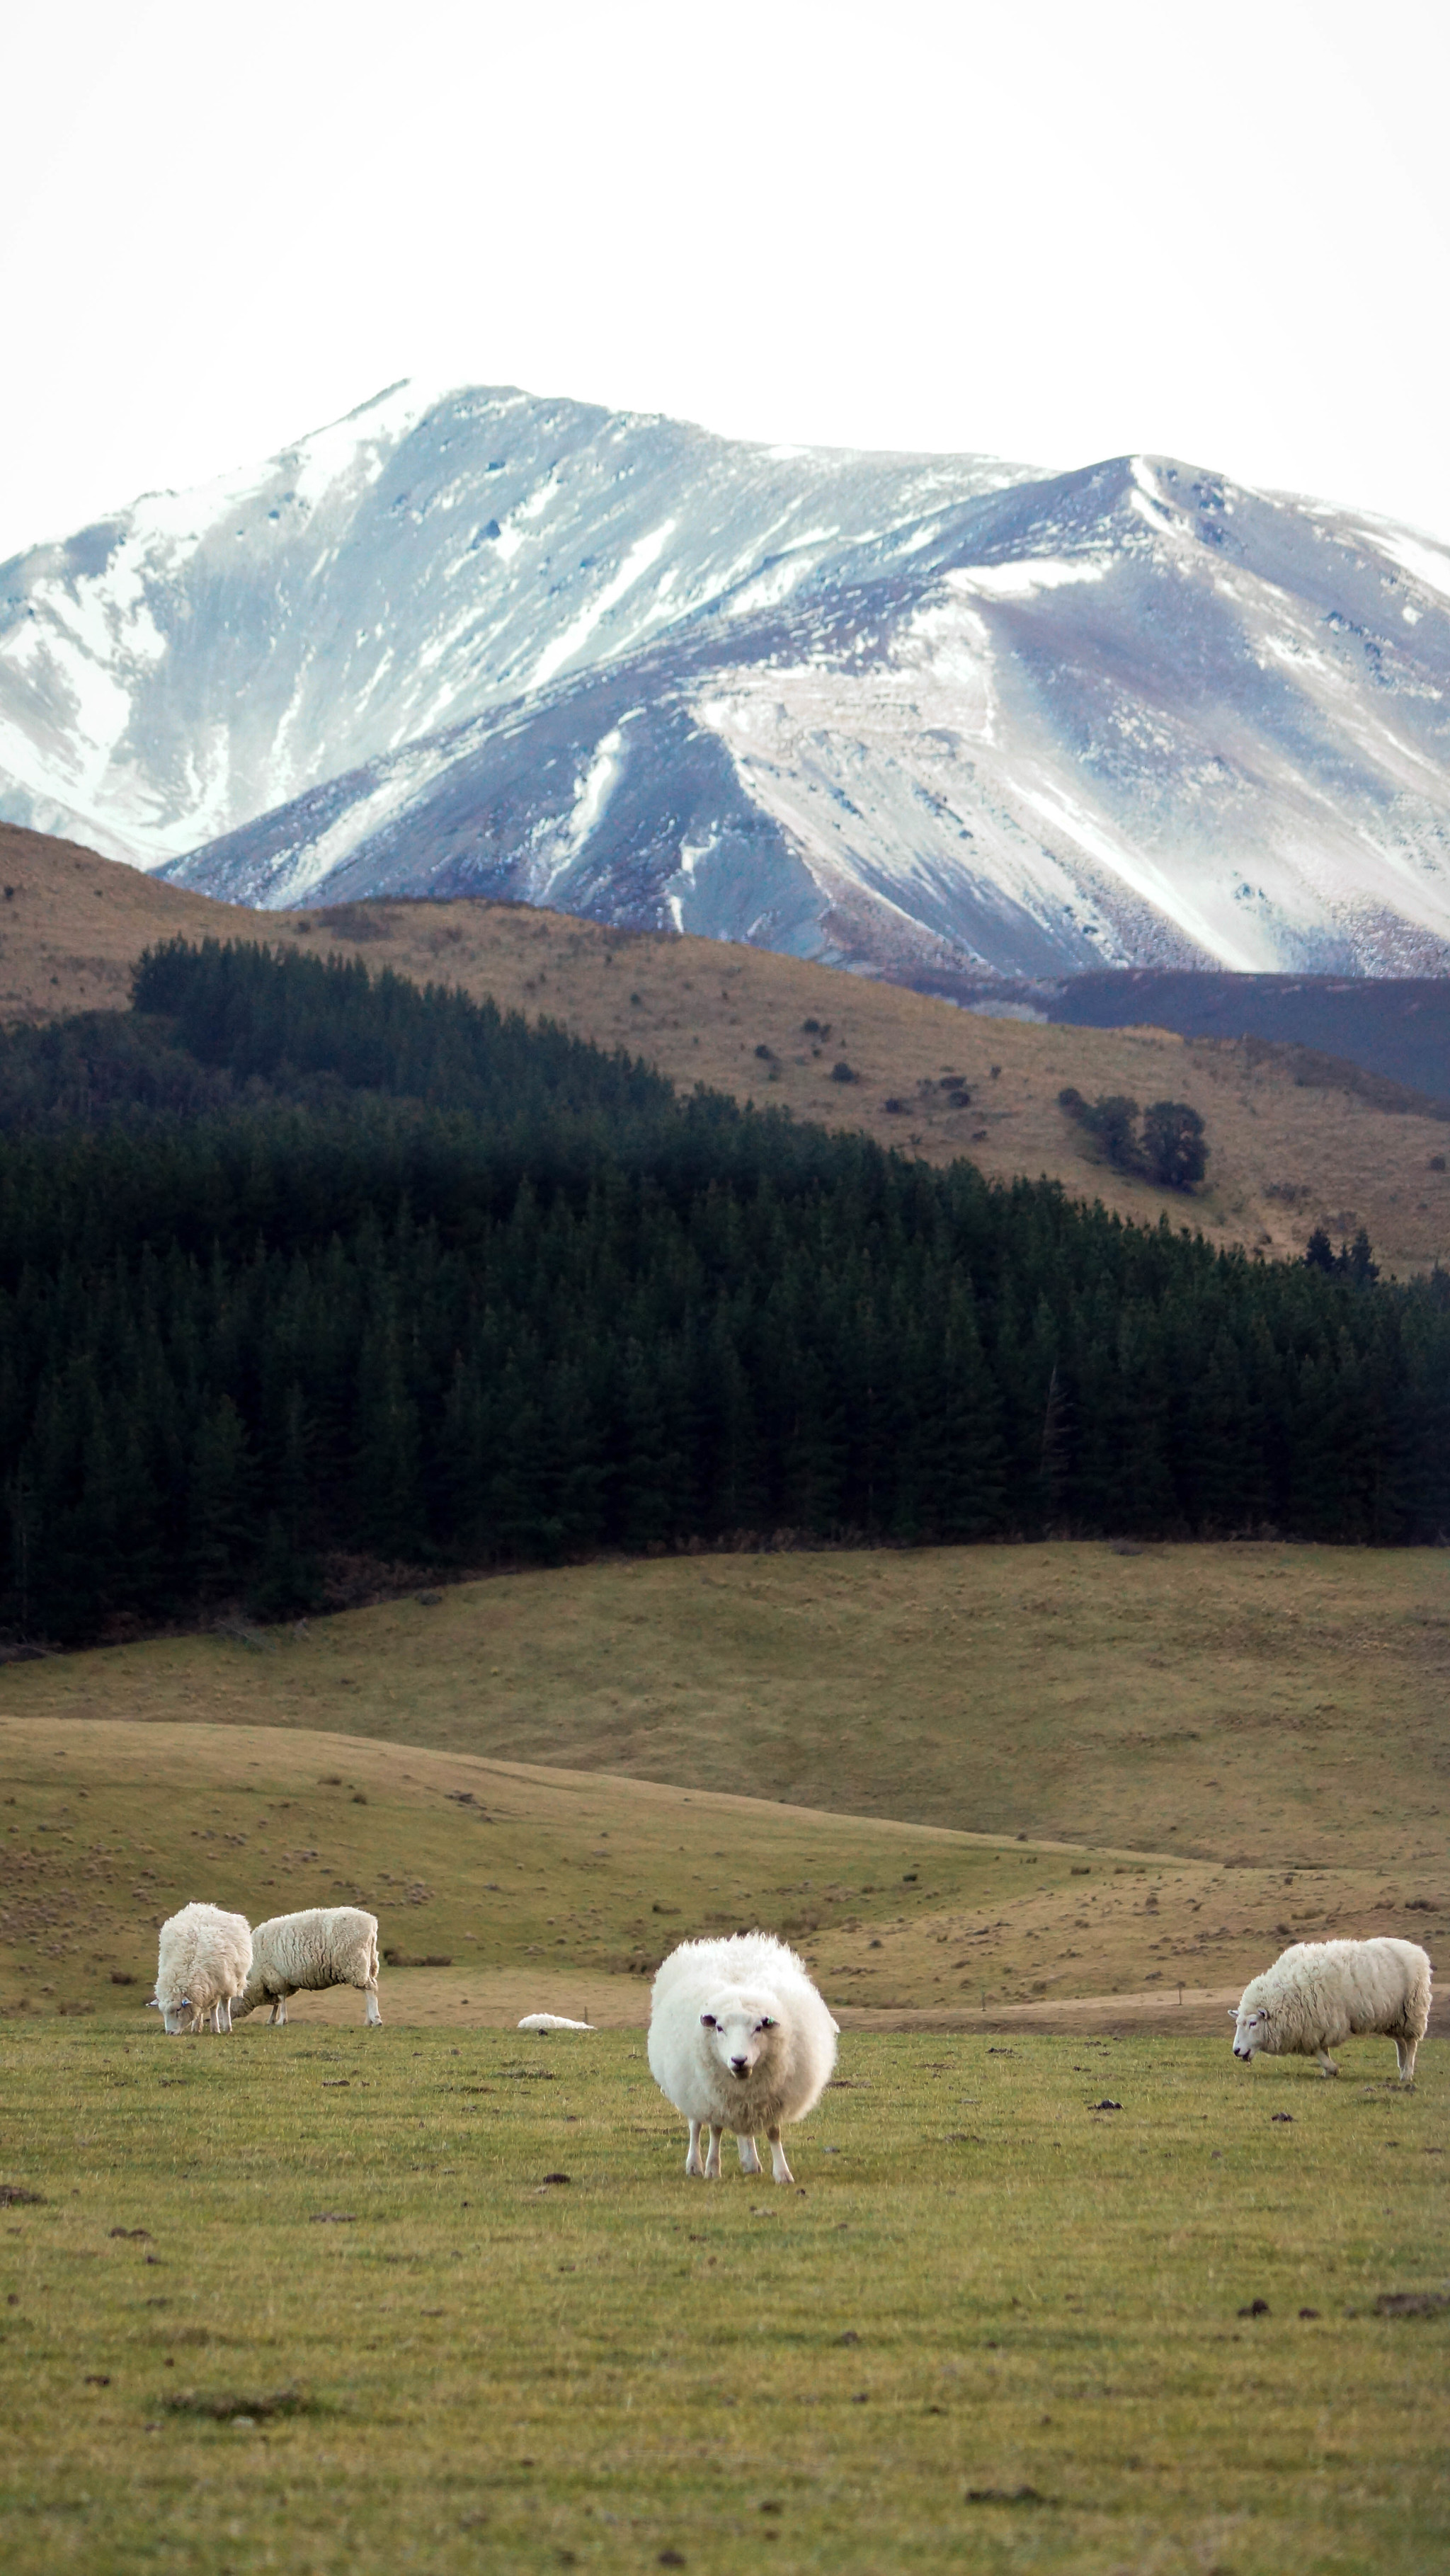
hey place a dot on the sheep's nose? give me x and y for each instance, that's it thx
(740, 2065)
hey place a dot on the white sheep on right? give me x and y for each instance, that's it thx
(1320, 1993)
(325, 1945)
(739, 2039)
(203, 1960)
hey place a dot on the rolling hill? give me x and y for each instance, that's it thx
(1291, 1146)
(1038, 1774)
(1395, 1026)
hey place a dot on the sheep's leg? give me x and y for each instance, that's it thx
(279, 2013)
(1405, 2052)
(1326, 2062)
(779, 2169)
(692, 2159)
(712, 2155)
(224, 2009)
(217, 2023)
(749, 2155)
(372, 2015)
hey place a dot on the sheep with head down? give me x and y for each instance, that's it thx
(739, 2040)
(306, 1953)
(1317, 1994)
(204, 1957)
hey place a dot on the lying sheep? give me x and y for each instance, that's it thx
(328, 1945)
(1319, 1993)
(739, 2039)
(203, 1961)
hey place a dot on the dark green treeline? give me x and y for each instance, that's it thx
(293, 1261)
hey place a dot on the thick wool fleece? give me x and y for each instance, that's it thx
(327, 1945)
(1319, 1993)
(757, 1973)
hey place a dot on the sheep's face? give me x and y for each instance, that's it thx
(1251, 2031)
(178, 2016)
(742, 2031)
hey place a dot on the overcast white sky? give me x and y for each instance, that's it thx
(1052, 233)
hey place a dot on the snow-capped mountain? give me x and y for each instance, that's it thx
(177, 670)
(909, 713)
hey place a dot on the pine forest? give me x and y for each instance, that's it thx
(296, 1262)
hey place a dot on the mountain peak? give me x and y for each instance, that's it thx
(917, 713)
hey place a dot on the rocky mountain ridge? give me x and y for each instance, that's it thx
(921, 716)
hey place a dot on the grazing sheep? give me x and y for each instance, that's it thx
(1319, 1993)
(328, 1945)
(739, 2039)
(203, 1960)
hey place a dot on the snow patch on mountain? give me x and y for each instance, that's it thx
(644, 552)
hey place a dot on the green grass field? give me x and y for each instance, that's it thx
(994, 2328)
(309, 2301)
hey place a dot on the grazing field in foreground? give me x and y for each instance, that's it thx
(1266, 1704)
(541, 1889)
(332, 2306)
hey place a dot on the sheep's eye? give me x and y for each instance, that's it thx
(767, 2024)
(707, 2021)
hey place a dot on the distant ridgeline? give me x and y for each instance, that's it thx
(295, 1262)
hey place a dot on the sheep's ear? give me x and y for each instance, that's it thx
(707, 2021)
(1233, 2012)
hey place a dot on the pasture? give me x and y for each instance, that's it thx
(310, 2300)
(502, 1888)
(1262, 1705)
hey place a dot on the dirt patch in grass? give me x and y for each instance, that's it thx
(210, 2407)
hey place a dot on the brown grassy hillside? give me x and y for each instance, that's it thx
(1034, 1774)
(1284, 1154)
(505, 1888)
(1232, 1702)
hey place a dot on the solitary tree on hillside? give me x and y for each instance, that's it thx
(1174, 1153)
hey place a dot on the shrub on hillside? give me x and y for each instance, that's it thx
(1174, 1153)
(1170, 1150)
